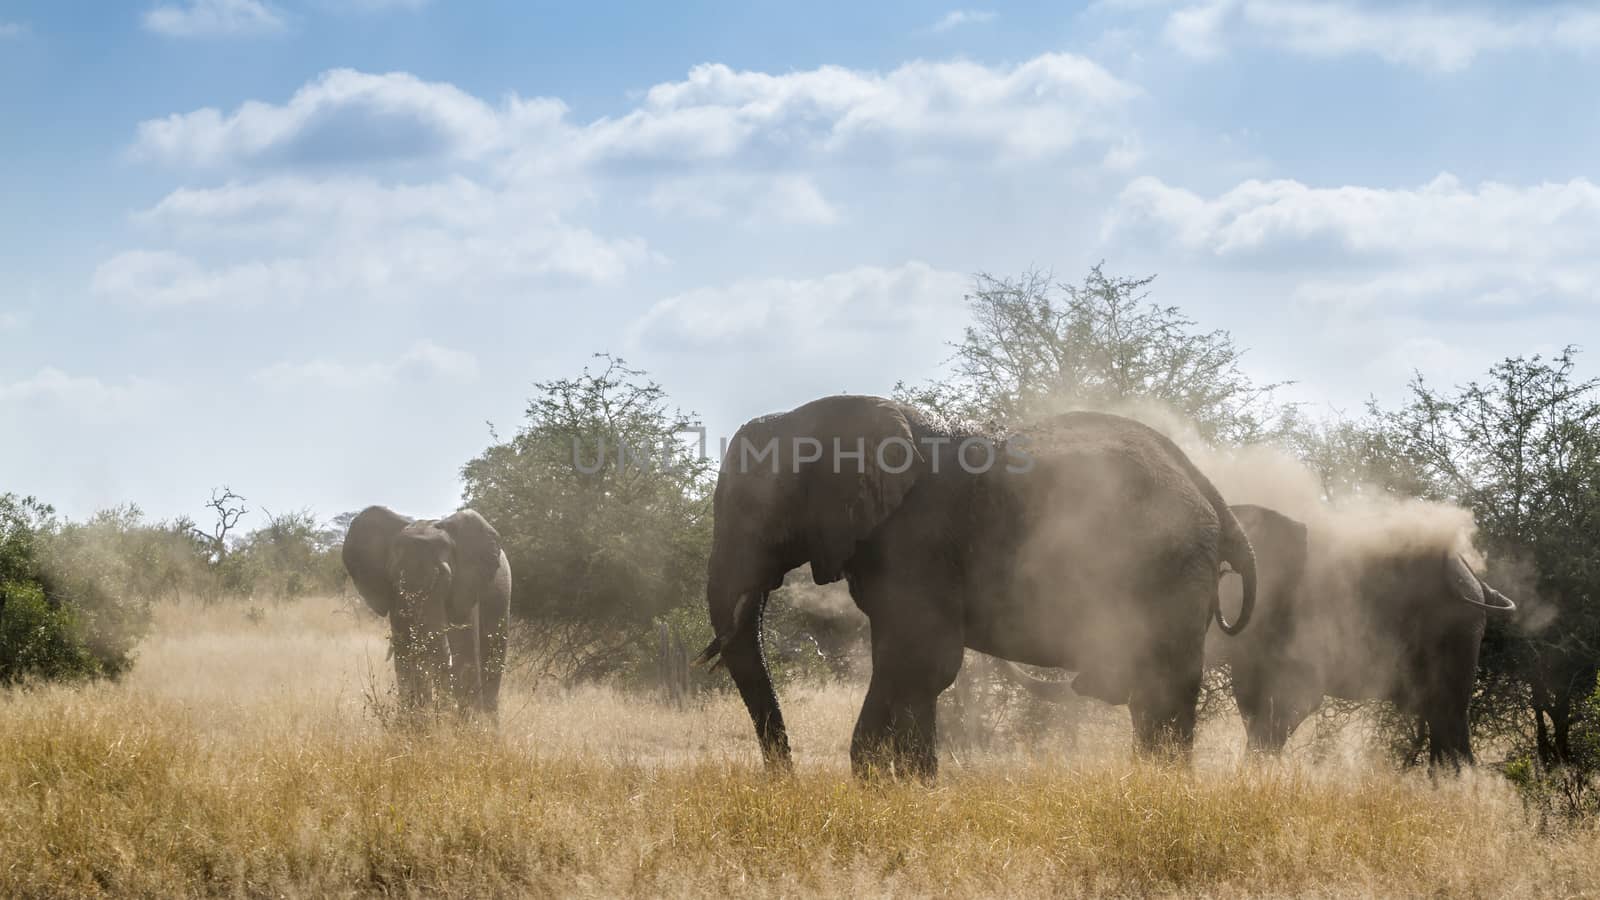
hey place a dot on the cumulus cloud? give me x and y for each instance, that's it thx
(387, 185)
(424, 360)
(375, 6)
(861, 305)
(345, 116)
(330, 240)
(1047, 105)
(1493, 244)
(752, 199)
(214, 18)
(1442, 216)
(1430, 37)
(84, 398)
(959, 17)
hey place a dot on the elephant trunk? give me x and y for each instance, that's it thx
(466, 664)
(1238, 554)
(408, 646)
(421, 645)
(736, 616)
(1234, 548)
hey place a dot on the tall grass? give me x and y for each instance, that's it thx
(243, 758)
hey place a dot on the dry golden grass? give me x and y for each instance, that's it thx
(242, 759)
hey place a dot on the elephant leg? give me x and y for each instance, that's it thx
(1273, 702)
(870, 751)
(1258, 708)
(1163, 710)
(895, 736)
(913, 731)
(916, 654)
(1165, 694)
(1449, 734)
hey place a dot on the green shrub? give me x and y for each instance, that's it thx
(38, 640)
(69, 607)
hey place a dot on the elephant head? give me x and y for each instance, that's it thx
(798, 487)
(1359, 620)
(427, 576)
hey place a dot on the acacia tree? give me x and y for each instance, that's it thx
(291, 556)
(1353, 457)
(606, 525)
(1037, 346)
(1521, 449)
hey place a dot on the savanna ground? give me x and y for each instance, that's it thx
(251, 756)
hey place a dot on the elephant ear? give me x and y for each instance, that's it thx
(477, 554)
(366, 555)
(844, 497)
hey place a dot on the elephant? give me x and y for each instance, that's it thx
(1086, 541)
(445, 586)
(1359, 620)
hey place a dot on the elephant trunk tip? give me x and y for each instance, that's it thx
(746, 609)
(711, 654)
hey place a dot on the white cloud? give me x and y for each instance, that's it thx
(1424, 36)
(10, 321)
(867, 304)
(753, 199)
(484, 193)
(1045, 106)
(345, 116)
(295, 207)
(214, 18)
(12, 30)
(1196, 30)
(377, 6)
(1440, 217)
(1495, 244)
(337, 239)
(82, 398)
(959, 17)
(424, 360)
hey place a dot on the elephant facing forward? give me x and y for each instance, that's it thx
(1088, 542)
(445, 586)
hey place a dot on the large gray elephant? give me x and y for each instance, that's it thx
(1087, 541)
(1359, 620)
(445, 586)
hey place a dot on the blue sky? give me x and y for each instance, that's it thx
(309, 248)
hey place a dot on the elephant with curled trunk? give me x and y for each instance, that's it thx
(1086, 541)
(445, 586)
(1360, 619)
